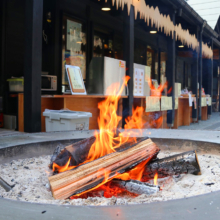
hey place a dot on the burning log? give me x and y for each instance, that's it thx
(184, 163)
(102, 170)
(137, 187)
(77, 152)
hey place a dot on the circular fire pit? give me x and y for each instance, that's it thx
(203, 207)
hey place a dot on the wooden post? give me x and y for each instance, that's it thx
(210, 82)
(219, 82)
(128, 54)
(200, 75)
(2, 51)
(32, 65)
(89, 42)
(171, 65)
(195, 73)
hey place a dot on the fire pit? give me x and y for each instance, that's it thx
(167, 146)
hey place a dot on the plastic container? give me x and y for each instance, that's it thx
(64, 120)
(16, 85)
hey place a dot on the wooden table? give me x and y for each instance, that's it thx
(86, 103)
(183, 115)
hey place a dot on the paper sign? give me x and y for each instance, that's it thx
(147, 73)
(166, 103)
(190, 100)
(152, 104)
(176, 103)
(203, 102)
(138, 82)
(209, 101)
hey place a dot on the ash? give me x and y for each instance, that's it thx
(30, 177)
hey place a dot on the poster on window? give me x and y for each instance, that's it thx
(138, 82)
(75, 51)
(74, 36)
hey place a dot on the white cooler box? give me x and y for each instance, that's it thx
(64, 120)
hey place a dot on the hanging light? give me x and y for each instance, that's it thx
(181, 46)
(153, 32)
(106, 6)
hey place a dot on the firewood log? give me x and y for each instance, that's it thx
(90, 175)
(78, 152)
(184, 163)
(137, 187)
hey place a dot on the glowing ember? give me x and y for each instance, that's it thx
(155, 179)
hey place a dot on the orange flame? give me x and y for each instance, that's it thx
(108, 140)
(155, 179)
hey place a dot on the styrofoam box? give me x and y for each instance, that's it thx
(63, 120)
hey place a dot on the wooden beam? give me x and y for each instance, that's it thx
(128, 54)
(32, 65)
(171, 66)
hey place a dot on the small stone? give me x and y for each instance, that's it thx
(25, 167)
(12, 180)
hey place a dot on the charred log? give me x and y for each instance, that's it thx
(137, 187)
(78, 153)
(89, 175)
(185, 163)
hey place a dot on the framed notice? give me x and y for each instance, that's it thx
(75, 80)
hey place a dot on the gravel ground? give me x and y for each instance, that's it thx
(30, 177)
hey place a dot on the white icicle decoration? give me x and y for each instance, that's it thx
(162, 21)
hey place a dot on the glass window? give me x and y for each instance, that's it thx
(74, 47)
(139, 53)
(103, 45)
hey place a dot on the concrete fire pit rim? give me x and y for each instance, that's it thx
(204, 202)
(197, 207)
(21, 139)
(112, 206)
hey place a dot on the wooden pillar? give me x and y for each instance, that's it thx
(32, 65)
(2, 51)
(210, 81)
(89, 42)
(195, 74)
(171, 65)
(128, 54)
(200, 75)
(219, 80)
